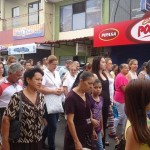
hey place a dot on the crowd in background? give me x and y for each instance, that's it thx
(89, 96)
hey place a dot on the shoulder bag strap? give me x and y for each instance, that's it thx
(50, 78)
(20, 105)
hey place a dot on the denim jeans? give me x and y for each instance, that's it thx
(52, 120)
(121, 116)
(99, 141)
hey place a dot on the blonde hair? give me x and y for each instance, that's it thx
(9, 60)
(52, 58)
(72, 66)
(132, 61)
(107, 59)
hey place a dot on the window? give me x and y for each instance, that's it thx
(80, 15)
(33, 9)
(15, 16)
(66, 18)
(93, 13)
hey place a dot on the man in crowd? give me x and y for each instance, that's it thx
(10, 85)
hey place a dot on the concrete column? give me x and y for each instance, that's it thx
(2, 17)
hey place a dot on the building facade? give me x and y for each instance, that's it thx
(75, 19)
(25, 22)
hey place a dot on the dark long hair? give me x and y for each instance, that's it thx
(137, 97)
(96, 64)
(3, 75)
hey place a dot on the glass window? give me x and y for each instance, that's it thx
(79, 8)
(15, 17)
(93, 13)
(66, 18)
(80, 15)
(33, 13)
(79, 21)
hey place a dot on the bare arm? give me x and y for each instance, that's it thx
(131, 143)
(72, 130)
(65, 90)
(5, 133)
(43, 89)
(123, 88)
(101, 124)
(128, 76)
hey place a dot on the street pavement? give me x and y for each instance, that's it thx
(60, 136)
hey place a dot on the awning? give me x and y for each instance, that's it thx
(71, 42)
(123, 33)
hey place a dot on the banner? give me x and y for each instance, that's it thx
(123, 33)
(22, 49)
(28, 32)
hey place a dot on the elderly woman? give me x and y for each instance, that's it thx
(32, 110)
(70, 79)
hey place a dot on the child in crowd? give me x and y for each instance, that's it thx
(96, 103)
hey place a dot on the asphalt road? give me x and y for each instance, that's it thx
(60, 136)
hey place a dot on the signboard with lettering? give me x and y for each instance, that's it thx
(122, 33)
(28, 32)
(22, 49)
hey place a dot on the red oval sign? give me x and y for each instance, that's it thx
(109, 34)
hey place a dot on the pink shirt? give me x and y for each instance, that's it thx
(120, 80)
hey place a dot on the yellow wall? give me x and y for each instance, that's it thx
(45, 15)
(48, 20)
(23, 5)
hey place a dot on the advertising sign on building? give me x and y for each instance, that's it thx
(145, 5)
(28, 32)
(122, 33)
(22, 49)
(3, 48)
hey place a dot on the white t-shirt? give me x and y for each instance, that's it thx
(68, 82)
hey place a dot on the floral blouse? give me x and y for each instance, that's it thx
(31, 119)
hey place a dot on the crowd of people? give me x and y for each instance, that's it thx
(88, 98)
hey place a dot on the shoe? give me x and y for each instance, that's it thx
(106, 143)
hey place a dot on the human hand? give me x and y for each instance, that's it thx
(5, 145)
(78, 146)
(94, 135)
(58, 91)
(95, 122)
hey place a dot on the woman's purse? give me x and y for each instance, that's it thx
(15, 124)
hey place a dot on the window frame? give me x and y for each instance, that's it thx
(15, 18)
(85, 2)
(32, 3)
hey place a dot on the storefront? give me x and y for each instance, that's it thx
(21, 42)
(123, 40)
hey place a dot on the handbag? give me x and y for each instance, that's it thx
(54, 104)
(15, 124)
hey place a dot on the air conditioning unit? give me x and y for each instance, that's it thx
(53, 1)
